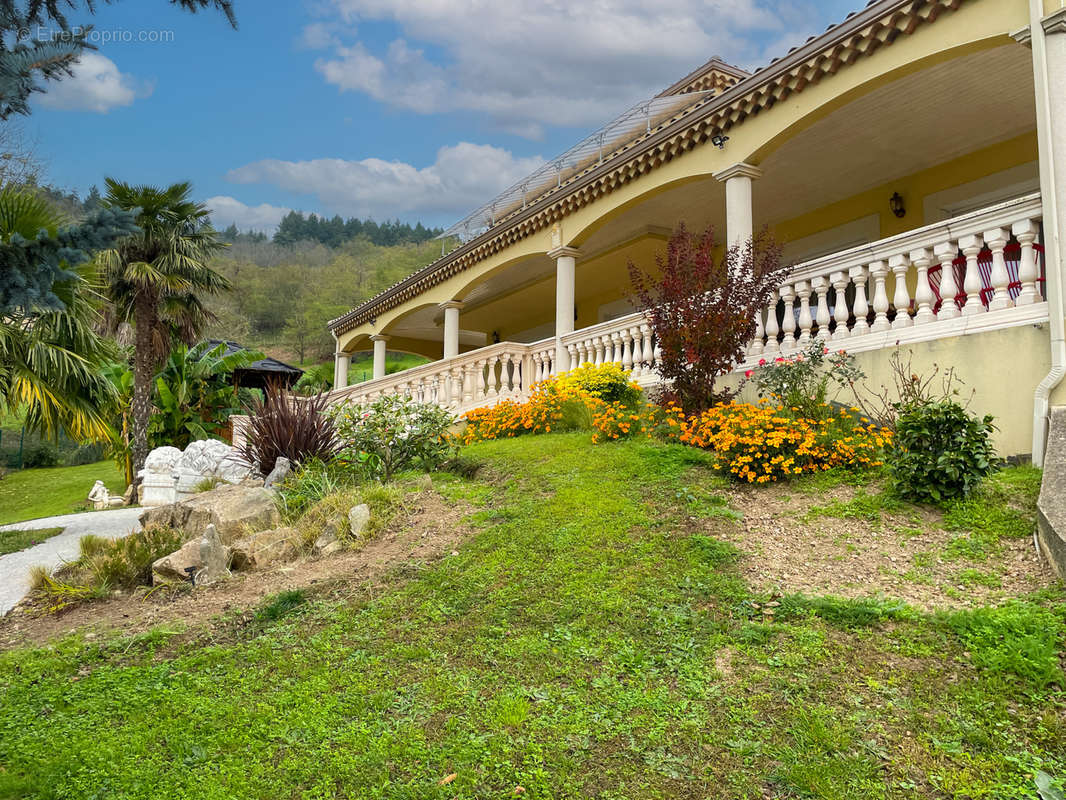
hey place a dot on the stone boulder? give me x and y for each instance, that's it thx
(358, 518)
(264, 548)
(232, 509)
(178, 566)
(329, 540)
(204, 561)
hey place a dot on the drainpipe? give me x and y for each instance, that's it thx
(1052, 262)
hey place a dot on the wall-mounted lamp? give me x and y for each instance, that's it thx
(719, 140)
(495, 337)
(373, 320)
(895, 202)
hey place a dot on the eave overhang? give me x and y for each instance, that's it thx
(860, 35)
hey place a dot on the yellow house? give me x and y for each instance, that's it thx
(912, 158)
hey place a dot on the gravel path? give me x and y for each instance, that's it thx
(15, 567)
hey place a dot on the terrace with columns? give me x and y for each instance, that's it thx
(905, 182)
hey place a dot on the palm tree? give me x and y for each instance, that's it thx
(155, 279)
(50, 354)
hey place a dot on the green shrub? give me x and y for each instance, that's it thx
(940, 452)
(393, 433)
(42, 454)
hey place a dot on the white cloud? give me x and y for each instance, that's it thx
(226, 211)
(97, 85)
(532, 63)
(462, 177)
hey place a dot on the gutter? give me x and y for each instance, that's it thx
(1052, 251)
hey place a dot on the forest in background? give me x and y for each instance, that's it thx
(284, 295)
(287, 287)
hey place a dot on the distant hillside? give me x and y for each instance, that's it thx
(284, 294)
(295, 227)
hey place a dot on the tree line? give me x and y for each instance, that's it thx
(334, 232)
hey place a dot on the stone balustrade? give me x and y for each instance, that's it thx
(983, 268)
(978, 271)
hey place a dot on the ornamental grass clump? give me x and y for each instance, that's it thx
(283, 424)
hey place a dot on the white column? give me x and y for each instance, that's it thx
(341, 362)
(451, 311)
(565, 266)
(738, 215)
(380, 343)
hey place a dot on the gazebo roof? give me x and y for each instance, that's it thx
(268, 366)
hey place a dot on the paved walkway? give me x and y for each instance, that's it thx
(15, 567)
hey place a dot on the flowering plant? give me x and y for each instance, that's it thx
(392, 433)
(762, 443)
(573, 400)
(801, 382)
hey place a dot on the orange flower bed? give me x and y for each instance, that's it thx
(761, 443)
(752, 443)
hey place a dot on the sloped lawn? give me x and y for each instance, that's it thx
(51, 491)
(593, 639)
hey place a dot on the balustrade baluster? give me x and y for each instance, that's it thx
(803, 292)
(756, 347)
(901, 298)
(861, 307)
(971, 247)
(996, 239)
(840, 305)
(455, 389)
(646, 350)
(946, 253)
(616, 341)
(879, 271)
(1025, 231)
(923, 292)
(788, 323)
(637, 354)
(627, 352)
(598, 344)
(772, 329)
(821, 287)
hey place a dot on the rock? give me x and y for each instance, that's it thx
(129, 495)
(358, 518)
(214, 558)
(282, 467)
(264, 548)
(207, 459)
(329, 540)
(176, 566)
(231, 509)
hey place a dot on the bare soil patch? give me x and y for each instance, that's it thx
(430, 528)
(904, 555)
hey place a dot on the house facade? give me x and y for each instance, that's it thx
(912, 160)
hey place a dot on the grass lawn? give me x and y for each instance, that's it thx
(593, 639)
(33, 493)
(14, 540)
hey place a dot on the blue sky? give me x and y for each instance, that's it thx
(417, 109)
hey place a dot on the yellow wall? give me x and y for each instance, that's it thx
(1001, 368)
(913, 188)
